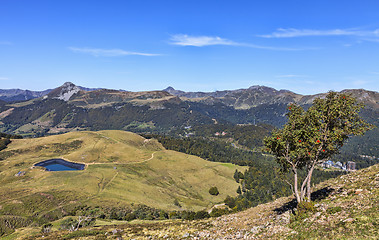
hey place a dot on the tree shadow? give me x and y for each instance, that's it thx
(315, 196)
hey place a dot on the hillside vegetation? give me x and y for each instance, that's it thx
(122, 168)
(345, 208)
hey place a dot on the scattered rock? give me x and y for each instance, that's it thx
(348, 220)
(20, 174)
(358, 191)
(239, 235)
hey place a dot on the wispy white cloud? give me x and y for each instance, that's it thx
(3, 78)
(98, 52)
(202, 41)
(276, 48)
(199, 41)
(293, 32)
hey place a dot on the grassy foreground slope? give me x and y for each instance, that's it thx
(121, 168)
(346, 207)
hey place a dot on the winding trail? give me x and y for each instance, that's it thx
(106, 185)
(101, 189)
(127, 163)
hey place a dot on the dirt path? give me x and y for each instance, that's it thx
(128, 163)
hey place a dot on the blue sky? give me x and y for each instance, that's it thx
(303, 46)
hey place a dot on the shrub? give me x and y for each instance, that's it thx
(239, 190)
(216, 212)
(69, 223)
(213, 191)
(304, 207)
(201, 214)
(333, 210)
(46, 228)
(130, 216)
(302, 212)
(230, 201)
(176, 203)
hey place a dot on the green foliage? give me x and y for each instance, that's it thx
(214, 151)
(250, 136)
(230, 201)
(4, 142)
(334, 210)
(176, 203)
(259, 184)
(46, 228)
(309, 137)
(304, 210)
(5, 139)
(214, 191)
(202, 214)
(306, 207)
(357, 146)
(217, 212)
(239, 190)
(117, 116)
(238, 175)
(10, 136)
(9, 223)
(68, 223)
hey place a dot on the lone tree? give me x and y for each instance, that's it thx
(311, 137)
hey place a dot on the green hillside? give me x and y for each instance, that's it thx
(344, 208)
(122, 168)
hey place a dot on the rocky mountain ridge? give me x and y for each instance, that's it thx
(258, 95)
(17, 95)
(71, 107)
(240, 98)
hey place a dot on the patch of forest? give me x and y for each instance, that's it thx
(359, 146)
(250, 136)
(5, 139)
(260, 183)
(213, 150)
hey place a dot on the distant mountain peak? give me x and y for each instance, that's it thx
(68, 84)
(64, 92)
(169, 88)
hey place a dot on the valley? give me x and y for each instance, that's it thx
(188, 144)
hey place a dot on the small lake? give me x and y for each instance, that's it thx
(58, 164)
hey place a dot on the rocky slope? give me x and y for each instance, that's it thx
(17, 95)
(10, 95)
(261, 95)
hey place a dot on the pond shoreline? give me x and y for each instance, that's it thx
(58, 161)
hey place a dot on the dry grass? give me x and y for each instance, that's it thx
(122, 168)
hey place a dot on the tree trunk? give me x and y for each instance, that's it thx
(303, 188)
(309, 182)
(295, 185)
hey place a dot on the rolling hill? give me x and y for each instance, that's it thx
(345, 208)
(122, 169)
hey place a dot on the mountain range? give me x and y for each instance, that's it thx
(239, 99)
(70, 107)
(18, 95)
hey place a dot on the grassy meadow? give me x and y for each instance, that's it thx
(122, 168)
